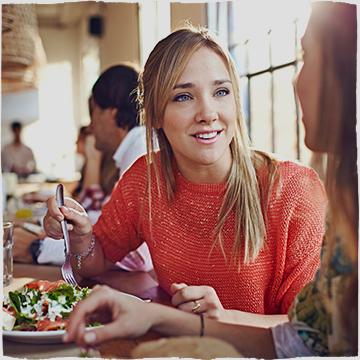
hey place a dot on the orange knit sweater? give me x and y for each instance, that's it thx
(181, 237)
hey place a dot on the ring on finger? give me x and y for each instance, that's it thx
(196, 308)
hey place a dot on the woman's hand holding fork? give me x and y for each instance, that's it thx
(79, 225)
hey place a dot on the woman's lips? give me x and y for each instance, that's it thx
(207, 137)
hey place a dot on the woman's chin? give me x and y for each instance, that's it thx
(314, 146)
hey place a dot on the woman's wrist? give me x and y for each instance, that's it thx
(80, 249)
(79, 243)
(81, 256)
(156, 316)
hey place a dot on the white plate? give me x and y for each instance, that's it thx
(42, 337)
(34, 337)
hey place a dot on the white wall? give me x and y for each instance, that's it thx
(89, 67)
(62, 45)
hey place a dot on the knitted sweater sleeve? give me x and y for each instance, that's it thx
(116, 230)
(304, 207)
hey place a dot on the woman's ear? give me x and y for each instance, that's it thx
(112, 115)
(113, 112)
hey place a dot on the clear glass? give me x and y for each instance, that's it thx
(8, 228)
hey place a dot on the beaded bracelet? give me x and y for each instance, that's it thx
(80, 257)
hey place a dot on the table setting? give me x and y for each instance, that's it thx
(22, 284)
(49, 344)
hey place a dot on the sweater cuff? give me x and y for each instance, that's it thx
(287, 342)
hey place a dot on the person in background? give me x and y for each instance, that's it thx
(323, 319)
(116, 134)
(113, 141)
(99, 174)
(80, 157)
(115, 129)
(233, 233)
(16, 157)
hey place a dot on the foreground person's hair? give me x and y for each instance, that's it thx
(335, 27)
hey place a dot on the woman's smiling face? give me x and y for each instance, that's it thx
(199, 118)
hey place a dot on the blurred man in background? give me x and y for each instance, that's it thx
(16, 157)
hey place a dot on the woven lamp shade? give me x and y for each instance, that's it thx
(21, 45)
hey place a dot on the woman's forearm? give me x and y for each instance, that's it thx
(251, 319)
(249, 341)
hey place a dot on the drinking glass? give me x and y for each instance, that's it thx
(8, 228)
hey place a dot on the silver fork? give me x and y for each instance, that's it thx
(66, 269)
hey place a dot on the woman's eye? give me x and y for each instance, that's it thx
(182, 97)
(222, 92)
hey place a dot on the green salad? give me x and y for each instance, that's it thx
(41, 306)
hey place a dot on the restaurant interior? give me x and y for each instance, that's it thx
(51, 71)
(53, 54)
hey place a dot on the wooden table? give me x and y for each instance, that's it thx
(140, 284)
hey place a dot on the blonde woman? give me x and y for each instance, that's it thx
(233, 233)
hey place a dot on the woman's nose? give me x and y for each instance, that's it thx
(206, 112)
(207, 117)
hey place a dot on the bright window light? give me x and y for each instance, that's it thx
(90, 66)
(263, 38)
(154, 24)
(53, 137)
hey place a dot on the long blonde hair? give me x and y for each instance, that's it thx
(161, 72)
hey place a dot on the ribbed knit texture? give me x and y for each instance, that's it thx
(182, 236)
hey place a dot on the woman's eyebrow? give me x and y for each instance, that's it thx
(190, 85)
(220, 82)
(183, 85)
